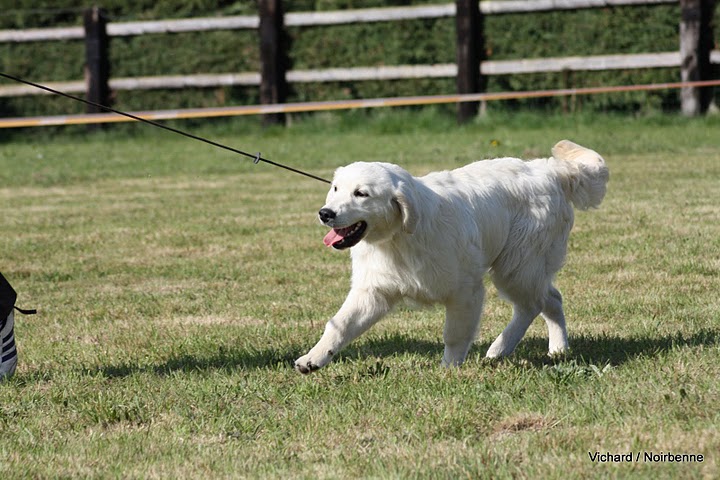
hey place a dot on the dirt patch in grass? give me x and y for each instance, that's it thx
(522, 422)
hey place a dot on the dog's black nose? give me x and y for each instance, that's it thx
(326, 215)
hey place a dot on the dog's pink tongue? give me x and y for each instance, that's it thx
(332, 237)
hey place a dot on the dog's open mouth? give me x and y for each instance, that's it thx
(347, 237)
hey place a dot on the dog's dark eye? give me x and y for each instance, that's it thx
(360, 193)
(334, 188)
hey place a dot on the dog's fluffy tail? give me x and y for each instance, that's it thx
(582, 172)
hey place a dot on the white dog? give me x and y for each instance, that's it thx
(432, 239)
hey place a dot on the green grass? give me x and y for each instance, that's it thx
(176, 283)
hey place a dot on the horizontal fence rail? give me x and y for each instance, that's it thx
(180, 114)
(309, 19)
(399, 72)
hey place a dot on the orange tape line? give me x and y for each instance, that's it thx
(96, 118)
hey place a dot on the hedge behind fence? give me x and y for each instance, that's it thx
(639, 29)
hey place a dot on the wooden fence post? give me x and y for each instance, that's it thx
(695, 45)
(469, 51)
(97, 63)
(273, 86)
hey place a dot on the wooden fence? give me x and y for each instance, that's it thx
(694, 57)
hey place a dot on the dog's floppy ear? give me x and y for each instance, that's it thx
(405, 198)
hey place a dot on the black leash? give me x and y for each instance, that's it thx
(26, 311)
(256, 157)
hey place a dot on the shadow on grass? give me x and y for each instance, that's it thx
(586, 349)
(224, 359)
(229, 360)
(615, 350)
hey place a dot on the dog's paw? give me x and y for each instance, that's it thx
(311, 362)
(559, 353)
(305, 366)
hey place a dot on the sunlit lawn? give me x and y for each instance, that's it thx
(176, 283)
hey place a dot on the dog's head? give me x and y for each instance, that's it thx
(369, 201)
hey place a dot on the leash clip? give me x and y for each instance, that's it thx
(256, 160)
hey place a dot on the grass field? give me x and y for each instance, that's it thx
(176, 283)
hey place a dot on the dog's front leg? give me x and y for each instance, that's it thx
(361, 310)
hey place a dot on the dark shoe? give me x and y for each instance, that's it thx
(8, 352)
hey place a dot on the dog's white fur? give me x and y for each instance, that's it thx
(432, 239)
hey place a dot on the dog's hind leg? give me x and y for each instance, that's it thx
(554, 317)
(505, 343)
(526, 295)
(530, 291)
(462, 318)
